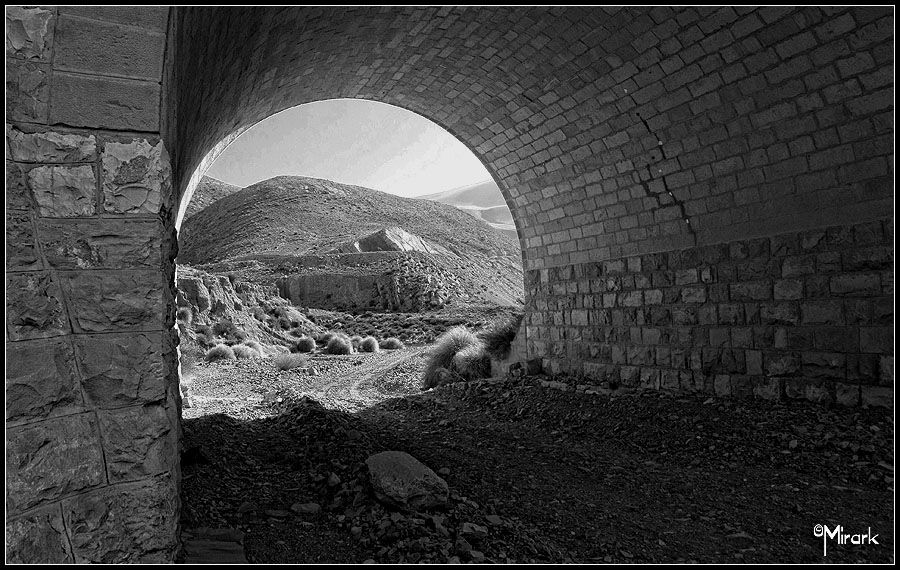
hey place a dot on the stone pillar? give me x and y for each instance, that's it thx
(92, 410)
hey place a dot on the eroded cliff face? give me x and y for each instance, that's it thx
(253, 308)
(408, 283)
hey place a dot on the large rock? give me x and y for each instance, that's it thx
(390, 239)
(400, 480)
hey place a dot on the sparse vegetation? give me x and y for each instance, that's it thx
(304, 344)
(203, 340)
(220, 352)
(255, 346)
(472, 362)
(445, 348)
(392, 343)
(499, 335)
(184, 315)
(203, 329)
(223, 328)
(369, 344)
(239, 334)
(355, 340)
(325, 337)
(288, 361)
(245, 351)
(339, 344)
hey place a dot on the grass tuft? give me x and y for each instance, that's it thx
(220, 352)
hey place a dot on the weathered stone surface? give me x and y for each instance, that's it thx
(127, 523)
(50, 146)
(34, 307)
(107, 301)
(21, 248)
(401, 480)
(137, 442)
(104, 102)
(29, 32)
(877, 396)
(40, 380)
(804, 389)
(121, 370)
(101, 243)
(134, 176)
(149, 17)
(18, 196)
(38, 537)
(52, 459)
(27, 91)
(104, 48)
(64, 191)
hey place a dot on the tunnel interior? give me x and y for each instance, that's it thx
(703, 197)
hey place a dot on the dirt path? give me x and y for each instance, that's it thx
(243, 388)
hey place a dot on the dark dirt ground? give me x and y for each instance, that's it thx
(552, 476)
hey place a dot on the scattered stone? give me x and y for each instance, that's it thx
(400, 480)
(494, 520)
(306, 508)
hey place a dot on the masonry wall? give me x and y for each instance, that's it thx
(701, 194)
(92, 404)
(804, 315)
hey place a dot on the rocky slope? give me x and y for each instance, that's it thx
(292, 215)
(360, 248)
(208, 191)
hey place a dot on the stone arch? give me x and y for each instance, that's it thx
(768, 131)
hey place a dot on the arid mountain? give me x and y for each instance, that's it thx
(298, 226)
(482, 200)
(208, 191)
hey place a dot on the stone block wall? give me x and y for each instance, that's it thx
(805, 315)
(92, 404)
(703, 196)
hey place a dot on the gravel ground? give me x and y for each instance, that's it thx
(546, 475)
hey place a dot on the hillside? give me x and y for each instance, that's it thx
(483, 201)
(208, 191)
(291, 215)
(304, 228)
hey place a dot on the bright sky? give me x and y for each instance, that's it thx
(351, 141)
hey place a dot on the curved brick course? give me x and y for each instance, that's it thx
(703, 198)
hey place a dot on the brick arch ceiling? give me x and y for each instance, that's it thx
(611, 132)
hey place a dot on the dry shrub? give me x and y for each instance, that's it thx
(499, 335)
(288, 361)
(339, 344)
(472, 362)
(392, 343)
(220, 352)
(245, 351)
(304, 344)
(369, 344)
(445, 348)
(184, 315)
